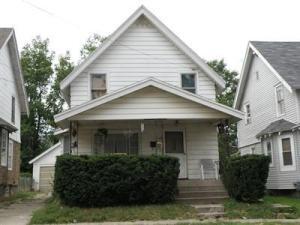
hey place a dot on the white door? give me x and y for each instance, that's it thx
(174, 146)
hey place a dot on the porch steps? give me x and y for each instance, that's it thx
(201, 192)
(208, 211)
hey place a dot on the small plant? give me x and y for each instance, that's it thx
(245, 177)
(115, 179)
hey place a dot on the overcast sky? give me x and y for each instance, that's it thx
(215, 29)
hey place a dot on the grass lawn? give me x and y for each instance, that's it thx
(20, 196)
(262, 210)
(54, 212)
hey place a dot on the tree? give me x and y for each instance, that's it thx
(36, 62)
(227, 130)
(55, 99)
(92, 43)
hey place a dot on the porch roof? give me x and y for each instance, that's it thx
(149, 82)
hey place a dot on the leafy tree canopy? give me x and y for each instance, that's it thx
(92, 43)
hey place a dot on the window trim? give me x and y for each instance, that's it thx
(246, 114)
(90, 81)
(276, 99)
(196, 81)
(12, 154)
(282, 166)
(13, 109)
(266, 150)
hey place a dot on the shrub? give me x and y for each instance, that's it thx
(115, 179)
(245, 177)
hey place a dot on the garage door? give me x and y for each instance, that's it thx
(46, 178)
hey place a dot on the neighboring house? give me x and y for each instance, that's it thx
(142, 92)
(13, 103)
(269, 95)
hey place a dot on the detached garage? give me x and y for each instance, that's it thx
(43, 168)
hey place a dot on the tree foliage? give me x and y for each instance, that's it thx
(92, 43)
(36, 62)
(227, 130)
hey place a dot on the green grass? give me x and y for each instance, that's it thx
(263, 209)
(20, 196)
(227, 223)
(55, 212)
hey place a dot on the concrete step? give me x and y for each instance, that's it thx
(199, 183)
(209, 208)
(203, 200)
(201, 188)
(211, 215)
(201, 193)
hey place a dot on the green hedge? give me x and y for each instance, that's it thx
(245, 177)
(115, 179)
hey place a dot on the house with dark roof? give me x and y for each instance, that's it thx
(269, 94)
(13, 103)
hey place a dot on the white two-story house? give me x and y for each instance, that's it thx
(268, 93)
(144, 91)
(13, 103)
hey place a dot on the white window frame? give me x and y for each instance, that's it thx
(196, 81)
(90, 81)
(7, 146)
(266, 150)
(10, 154)
(282, 166)
(276, 100)
(246, 114)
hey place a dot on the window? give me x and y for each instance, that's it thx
(269, 150)
(247, 113)
(286, 151)
(252, 150)
(10, 155)
(188, 82)
(98, 85)
(13, 109)
(66, 144)
(280, 100)
(174, 142)
(126, 143)
(4, 147)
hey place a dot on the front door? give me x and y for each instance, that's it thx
(174, 146)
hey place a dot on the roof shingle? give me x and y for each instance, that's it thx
(277, 126)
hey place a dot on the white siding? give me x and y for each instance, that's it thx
(261, 96)
(200, 137)
(150, 103)
(8, 89)
(141, 52)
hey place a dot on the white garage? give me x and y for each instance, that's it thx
(43, 168)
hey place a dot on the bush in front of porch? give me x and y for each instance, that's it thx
(245, 177)
(115, 179)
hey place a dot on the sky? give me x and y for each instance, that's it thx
(215, 29)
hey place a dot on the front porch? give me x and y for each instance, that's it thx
(193, 142)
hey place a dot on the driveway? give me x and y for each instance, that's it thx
(19, 213)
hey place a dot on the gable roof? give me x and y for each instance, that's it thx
(142, 11)
(277, 126)
(7, 37)
(52, 148)
(140, 85)
(282, 58)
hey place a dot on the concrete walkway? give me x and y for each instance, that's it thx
(178, 222)
(19, 213)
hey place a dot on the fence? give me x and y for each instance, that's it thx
(25, 184)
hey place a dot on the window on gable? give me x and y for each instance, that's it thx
(188, 82)
(98, 85)
(247, 113)
(280, 100)
(3, 147)
(13, 109)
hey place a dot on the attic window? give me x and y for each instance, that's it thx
(188, 82)
(98, 85)
(247, 111)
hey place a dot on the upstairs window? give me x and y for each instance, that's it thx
(188, 82)
(13, 109)
(98, 85)
(280, 100)
(247, 111)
